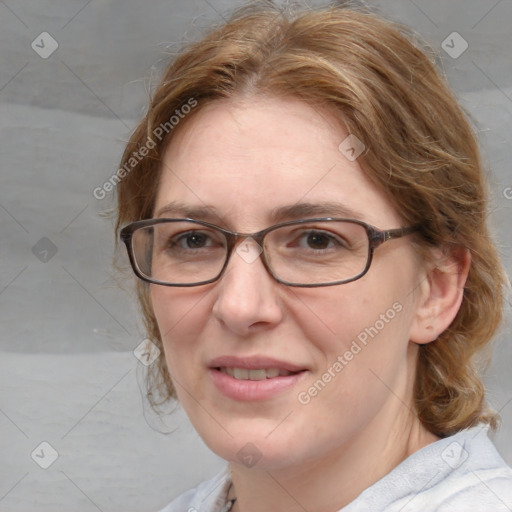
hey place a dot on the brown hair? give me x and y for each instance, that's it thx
(420, 151)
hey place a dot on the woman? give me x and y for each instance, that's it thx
(306, 212)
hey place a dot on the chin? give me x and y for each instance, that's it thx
(254, 448)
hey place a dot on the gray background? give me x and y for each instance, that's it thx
(69, 323)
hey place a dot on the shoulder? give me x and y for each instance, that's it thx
(479, 479)
(208, 496)
(456, 474)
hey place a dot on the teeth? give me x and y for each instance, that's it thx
(241, 373)
(255, 374)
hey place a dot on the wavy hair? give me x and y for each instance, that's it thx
(422, 153)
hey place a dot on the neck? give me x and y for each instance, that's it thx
(333, 481)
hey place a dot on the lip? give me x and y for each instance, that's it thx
(253, 390)
(253, 363)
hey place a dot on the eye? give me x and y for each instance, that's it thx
(191, 240)
(318, 240)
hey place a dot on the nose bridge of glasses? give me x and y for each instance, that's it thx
(235, 239)
(248, 246)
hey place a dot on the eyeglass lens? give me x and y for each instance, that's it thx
(318, 252)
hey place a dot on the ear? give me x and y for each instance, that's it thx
(440, 294)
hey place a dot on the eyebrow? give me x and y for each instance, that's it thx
(200, 212)
(310, 210)
(280, 214)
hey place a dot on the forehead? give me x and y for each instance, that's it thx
(246, 158)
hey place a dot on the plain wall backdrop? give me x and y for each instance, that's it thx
(74, 79)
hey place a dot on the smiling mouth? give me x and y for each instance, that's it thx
(255, 373)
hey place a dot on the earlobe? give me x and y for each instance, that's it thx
(440, 294)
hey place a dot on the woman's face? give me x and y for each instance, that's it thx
(243, 160)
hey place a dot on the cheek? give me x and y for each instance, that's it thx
(333, 317)
(175, 306)
(353, 332)
(356, 368)
(180, 315)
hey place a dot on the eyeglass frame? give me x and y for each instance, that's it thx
(376, 237)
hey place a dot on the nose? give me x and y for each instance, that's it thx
(247, 299)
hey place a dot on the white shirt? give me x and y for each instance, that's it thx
(460, 473)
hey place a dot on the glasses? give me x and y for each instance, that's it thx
(304, 253)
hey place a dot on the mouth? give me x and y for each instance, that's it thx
(255, 373)
(254, 378)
